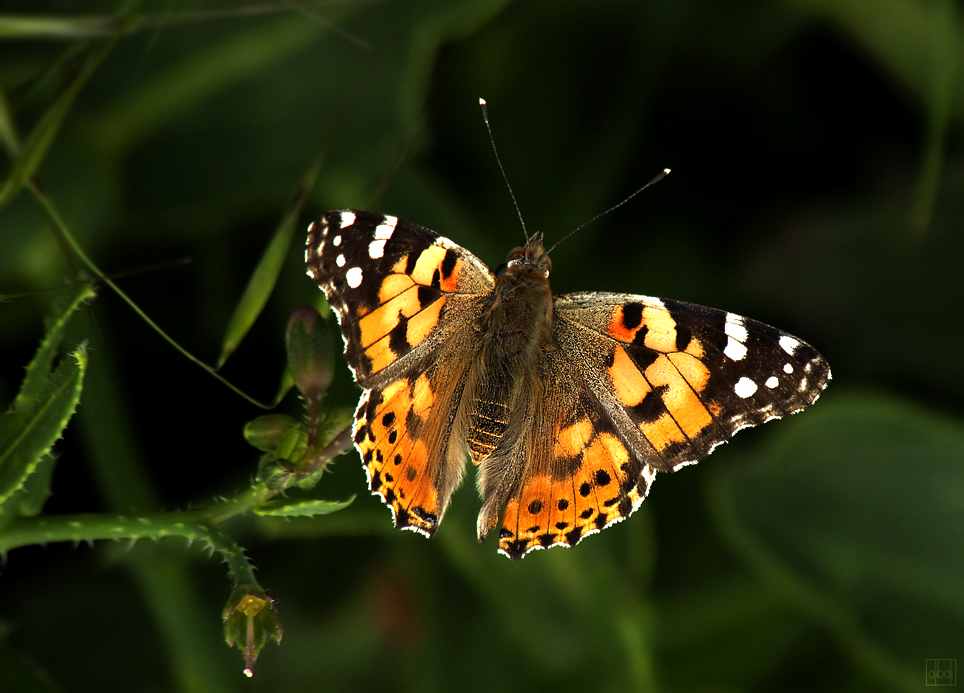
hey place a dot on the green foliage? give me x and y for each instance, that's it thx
(832, 518)
(301, 508)
(265, 275)
(38, 417)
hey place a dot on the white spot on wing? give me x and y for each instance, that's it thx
(347, 219)
(376, 249)
(772, 382)
(340, 260)
(734, 349)
(354, 277)
(734, 327)
(385, 230)
(336, 241)
(787, 368)
(736, 335)
(789, 344)
(311, 227)
(744, 387)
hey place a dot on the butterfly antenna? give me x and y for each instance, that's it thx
(485, 117)
(662, 174)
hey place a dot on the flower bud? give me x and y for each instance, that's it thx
(250, 617)
(309, 352)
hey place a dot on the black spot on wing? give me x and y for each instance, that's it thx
(652, 407)
(632, 315)
(640, 338)
(398, 337)
(411, 262)
(427, 295)
(448, 263)
(683, 337)
(573, 537)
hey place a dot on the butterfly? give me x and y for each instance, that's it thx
(568, 405)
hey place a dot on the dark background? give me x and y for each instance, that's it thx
(816, 186)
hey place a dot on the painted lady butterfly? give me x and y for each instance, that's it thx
(569, 405)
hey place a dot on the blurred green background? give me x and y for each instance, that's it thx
(816, 185)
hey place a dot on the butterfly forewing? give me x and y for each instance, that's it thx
(390, 281)
(686, 376)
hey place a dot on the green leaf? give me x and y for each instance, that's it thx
(266, 273)
(856, 517)
(301, 508)
(26, 27)
(39, 369)
(8, 128)
(30, 499)
(45, 131)
(41, 409)
(27, 435)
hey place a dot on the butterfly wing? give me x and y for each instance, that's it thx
(396, 288)
(659, 384)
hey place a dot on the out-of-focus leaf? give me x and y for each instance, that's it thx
(38, 27)
(831, 516)
(8, 128)
(45, 131)
(266, 273)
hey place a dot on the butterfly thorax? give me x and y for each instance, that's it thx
(515, 330)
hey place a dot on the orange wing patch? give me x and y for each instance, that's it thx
(396, 460)
(629, 384)
(655, 325)
(561, 508)
(676, 378)
(410, 301)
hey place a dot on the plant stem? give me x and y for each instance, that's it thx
(64, 233)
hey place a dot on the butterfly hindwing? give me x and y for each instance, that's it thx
(581, 475)
(393, 284)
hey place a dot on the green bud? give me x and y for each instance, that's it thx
(309, 352)
(278, 434)
(275, 474)
(272, 432)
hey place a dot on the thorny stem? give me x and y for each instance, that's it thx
(338, 445)
(193, 525)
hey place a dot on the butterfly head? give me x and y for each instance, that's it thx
(530, 259)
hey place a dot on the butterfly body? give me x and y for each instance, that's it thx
(568, 405)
